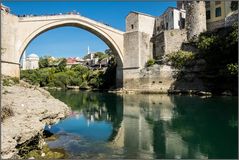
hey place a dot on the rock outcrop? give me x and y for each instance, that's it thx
(33, 108)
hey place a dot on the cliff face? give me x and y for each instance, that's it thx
(32, 109)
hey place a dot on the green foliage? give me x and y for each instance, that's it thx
(100, 55)
(77, 75)
(109, 77)
(9, 81)
(206, 41)
(150, 62)
(179, 59)
(95, 80)
(6, 111)
(62, 65)
(233, 36)
(108, 51)
(49, 153)
(232, 69)
(219, 48)
(43, 62)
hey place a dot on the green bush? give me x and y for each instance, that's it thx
(77, 75)
(150, 62)
(179, 59)
(206, 41)
(43, 62)
(6, 111)
(9, 81)
(61, 79)
(220, 47)
(232, 69)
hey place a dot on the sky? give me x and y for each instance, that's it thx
(72, 41)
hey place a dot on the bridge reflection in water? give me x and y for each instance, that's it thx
(157, 126)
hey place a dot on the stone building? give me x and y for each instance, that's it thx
(172, 18)
(169, 32)
(139, 30)
(195, 19)
(74, 61)
(31, 62)
(138, 47)
(218, 13)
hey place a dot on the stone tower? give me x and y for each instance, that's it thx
(195, 19)
(138, 48)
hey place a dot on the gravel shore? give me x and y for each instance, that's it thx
(32, 109)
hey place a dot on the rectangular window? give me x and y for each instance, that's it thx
(132, 26)
(207, 4)
(218, 12)
(217, 2)
(183, 23)
(208, 14)
(158, 28)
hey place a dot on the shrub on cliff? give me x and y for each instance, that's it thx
(179, 59)
(30, 76)
(150, 62)
(232, 69)
(6, 111)
(220, 48)
(9, 81)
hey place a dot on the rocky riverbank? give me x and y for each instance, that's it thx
(30, 108)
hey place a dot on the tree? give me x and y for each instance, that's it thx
(108, 51)
(43, 62)
(62, 65)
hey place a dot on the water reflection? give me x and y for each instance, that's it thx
(149, 126)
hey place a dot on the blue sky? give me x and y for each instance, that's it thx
(73, 42)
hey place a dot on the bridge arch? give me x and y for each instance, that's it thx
(110, 36)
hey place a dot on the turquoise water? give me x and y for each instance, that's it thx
(104, 125)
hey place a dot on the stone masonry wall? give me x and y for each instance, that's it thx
(158, 78)
(159, 45)
(169, 41)
(174, 40)
(8, 41)
(196, 19)
(214, 25)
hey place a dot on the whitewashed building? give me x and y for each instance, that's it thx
(31, 62)
(172, 18)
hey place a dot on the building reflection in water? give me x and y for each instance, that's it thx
(144, 132)
(161, 126)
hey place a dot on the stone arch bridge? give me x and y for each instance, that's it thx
(131, 48)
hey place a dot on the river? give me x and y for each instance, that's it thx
(146, 126)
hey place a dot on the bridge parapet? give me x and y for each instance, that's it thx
(67, 17)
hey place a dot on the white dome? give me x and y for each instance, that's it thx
(33, 56)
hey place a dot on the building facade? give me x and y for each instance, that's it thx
(30, 62)
(172, 18)
(169, 32)
(216, 13)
